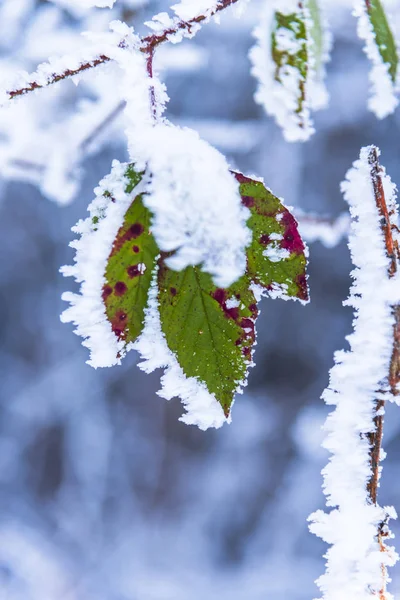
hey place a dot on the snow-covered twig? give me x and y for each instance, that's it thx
(362, 379)
(388, 214)
(168, 29)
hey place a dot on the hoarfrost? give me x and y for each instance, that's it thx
(87, 310)
(356, 562)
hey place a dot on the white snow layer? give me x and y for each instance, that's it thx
(383, 99)
(280, 99)
(194, 199)
(87, 310)
(356, 563)
(196, 204)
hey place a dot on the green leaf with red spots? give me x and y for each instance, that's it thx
(276, 257)
(130, 266)
(211, 330)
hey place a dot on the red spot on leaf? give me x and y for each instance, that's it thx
(173, 291)
(135, 230)
(120, 288)
(248, 328)
(291, 236)
(253, 309)
(248, 201)
(301, 281)
(107, 290)
(247, 352)
(264, 239)
(118, 324)
(136, 249)
(132, 233)
(220, 296)
(133, 271)
(242, 178)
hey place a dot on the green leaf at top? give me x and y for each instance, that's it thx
(383, 36)
(211, 330)
(293, 25)
(130, 266)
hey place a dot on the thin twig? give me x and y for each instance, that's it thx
(375, 437)
(147, 46)
(56, 77)
(393, 254)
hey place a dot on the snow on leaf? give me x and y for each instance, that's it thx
(276, 257)
(129, 270)
(211, 330)
(288, 61)
(202, 334)
(97, 240)
(195, 202)
(211, 341)
(380, 47)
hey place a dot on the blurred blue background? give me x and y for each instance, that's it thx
(104, 494)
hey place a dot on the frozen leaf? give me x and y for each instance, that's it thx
(201, 333)
(211, 330)
(383, 36)
(380, 47)
(289, 63)
(129, 269)
(276, 257)
(290, 54)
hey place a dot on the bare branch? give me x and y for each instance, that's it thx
(147, 46)
(392, 250)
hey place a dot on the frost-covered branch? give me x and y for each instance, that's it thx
(362, 379)
(172, 29)
(388, 214)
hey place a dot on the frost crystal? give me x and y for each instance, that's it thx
(356, 562)
(97, 234)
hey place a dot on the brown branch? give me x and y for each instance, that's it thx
(392, 251)
(375, 437)
(56, 77)
(147, 46)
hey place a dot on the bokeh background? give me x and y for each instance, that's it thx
(104, 494)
